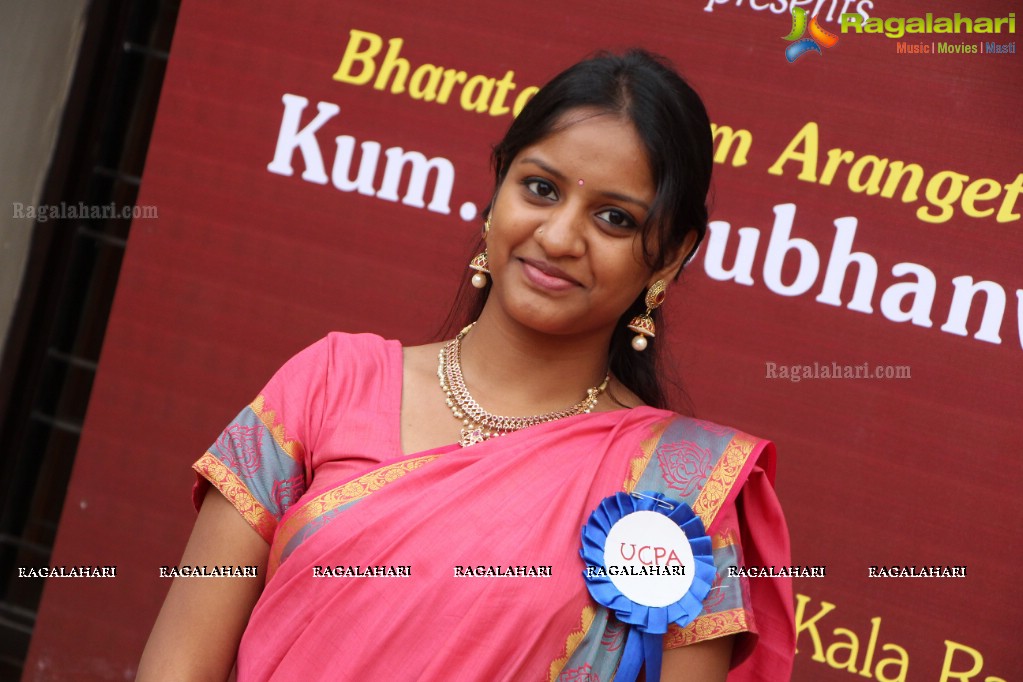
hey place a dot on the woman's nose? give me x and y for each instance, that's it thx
(563, 233)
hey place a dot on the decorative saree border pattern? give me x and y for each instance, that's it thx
(637, 465)
(572, 642)
(647, 448)
(292, 448)
(711, 498)
(231, 487)
(707, 626)
(346, 493)
(726, 471)
(724, 539)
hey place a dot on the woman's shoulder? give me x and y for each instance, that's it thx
(687, 453)
(703, 429)
(350, 349)
(674, 426)
(339, 355)
(358, 342)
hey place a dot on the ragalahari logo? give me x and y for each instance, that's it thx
(818, 36)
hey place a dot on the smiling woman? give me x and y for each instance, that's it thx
(567, 259)
(493, 448)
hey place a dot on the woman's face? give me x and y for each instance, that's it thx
(565, 248)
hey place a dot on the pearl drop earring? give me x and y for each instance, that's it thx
(481, 266)
(643, 324)
(480, 263)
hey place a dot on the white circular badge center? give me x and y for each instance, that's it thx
(648, 558)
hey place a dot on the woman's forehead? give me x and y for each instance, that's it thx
(592, 141)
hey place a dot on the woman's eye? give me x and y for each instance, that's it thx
(541, 188)
(615, 217)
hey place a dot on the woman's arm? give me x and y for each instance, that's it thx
(197, 632)
(705, 661)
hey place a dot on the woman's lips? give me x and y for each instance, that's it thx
(546, 276)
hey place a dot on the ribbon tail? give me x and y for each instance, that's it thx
(652, 645)
(632, 657)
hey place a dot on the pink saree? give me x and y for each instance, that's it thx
(481, 543)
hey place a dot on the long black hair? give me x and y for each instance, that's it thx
(670, 119)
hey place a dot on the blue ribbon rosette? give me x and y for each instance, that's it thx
(660, 591)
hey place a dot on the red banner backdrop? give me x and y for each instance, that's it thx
(321, 165)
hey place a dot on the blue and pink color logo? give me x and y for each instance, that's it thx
(800, 46)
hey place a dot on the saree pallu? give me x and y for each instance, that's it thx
(514, 503)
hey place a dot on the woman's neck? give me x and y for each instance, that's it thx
(516, 371)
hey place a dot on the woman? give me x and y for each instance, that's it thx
(362, 453)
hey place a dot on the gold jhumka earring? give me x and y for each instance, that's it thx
(643, 324)
(480, 263)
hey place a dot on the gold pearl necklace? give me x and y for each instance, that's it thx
(479, 425)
